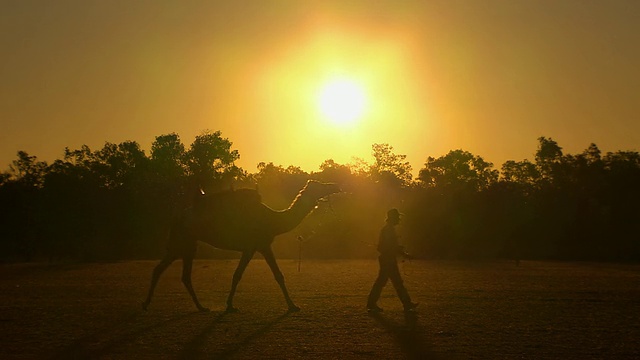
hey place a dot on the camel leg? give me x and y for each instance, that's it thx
(159, 269)
(271, 261)
(237, 275)
(187, 265)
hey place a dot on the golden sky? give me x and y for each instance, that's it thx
(486, 76)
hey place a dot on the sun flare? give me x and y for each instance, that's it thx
(342, 101)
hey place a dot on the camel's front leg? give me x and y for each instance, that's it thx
(271, 261)
(187, 265)
(237, 275)
(159, 269)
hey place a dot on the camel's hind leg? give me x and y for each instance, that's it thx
(271, 261)
(159, 269)
(237, 275)
(187, 265)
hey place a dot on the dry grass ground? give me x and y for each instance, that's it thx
(538, 310)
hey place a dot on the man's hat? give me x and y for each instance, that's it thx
(393, 214)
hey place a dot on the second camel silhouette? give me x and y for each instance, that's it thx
(236, 220)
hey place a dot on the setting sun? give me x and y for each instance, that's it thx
(334, 93)
(342, 101)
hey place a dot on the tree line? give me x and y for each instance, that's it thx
(118, 202)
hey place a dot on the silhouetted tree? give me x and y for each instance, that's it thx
(4, 178)
(168, 156)
(548, 158)
(116, 202)
(390, 168)
(332, 171)
(523, 173)
(440, 214)
(28, 170)
(210, 161)
(169, 182)
(622, 209)
(359, 167)
(20, 211)
(278, 184)
(458, 169)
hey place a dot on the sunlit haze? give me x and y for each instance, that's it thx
(297, 83)
(342, 101)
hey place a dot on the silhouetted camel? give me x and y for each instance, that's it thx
(236, 220)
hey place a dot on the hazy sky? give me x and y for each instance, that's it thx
(486, 76)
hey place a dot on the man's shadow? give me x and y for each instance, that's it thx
(406, 335)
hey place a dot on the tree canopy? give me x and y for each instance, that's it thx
(116, 202)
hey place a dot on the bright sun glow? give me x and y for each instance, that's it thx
(342, 101)
(333, 93)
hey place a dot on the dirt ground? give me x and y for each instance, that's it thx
(496, 310)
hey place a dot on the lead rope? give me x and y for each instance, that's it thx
(301, 238)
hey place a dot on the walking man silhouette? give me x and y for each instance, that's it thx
(389, 250)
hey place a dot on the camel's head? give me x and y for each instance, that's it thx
(317, 190)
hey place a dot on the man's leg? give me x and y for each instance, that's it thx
(398, 284)
(376, 290)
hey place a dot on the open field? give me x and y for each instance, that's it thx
(538, 310)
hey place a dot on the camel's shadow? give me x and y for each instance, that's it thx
(125, 333)
(126, 330)
(194, 348)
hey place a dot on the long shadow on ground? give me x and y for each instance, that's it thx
(193, 349)
(124, 331)
(406, 335)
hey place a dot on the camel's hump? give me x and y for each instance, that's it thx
(239, 198)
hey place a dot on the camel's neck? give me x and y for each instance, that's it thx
(290, 218)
